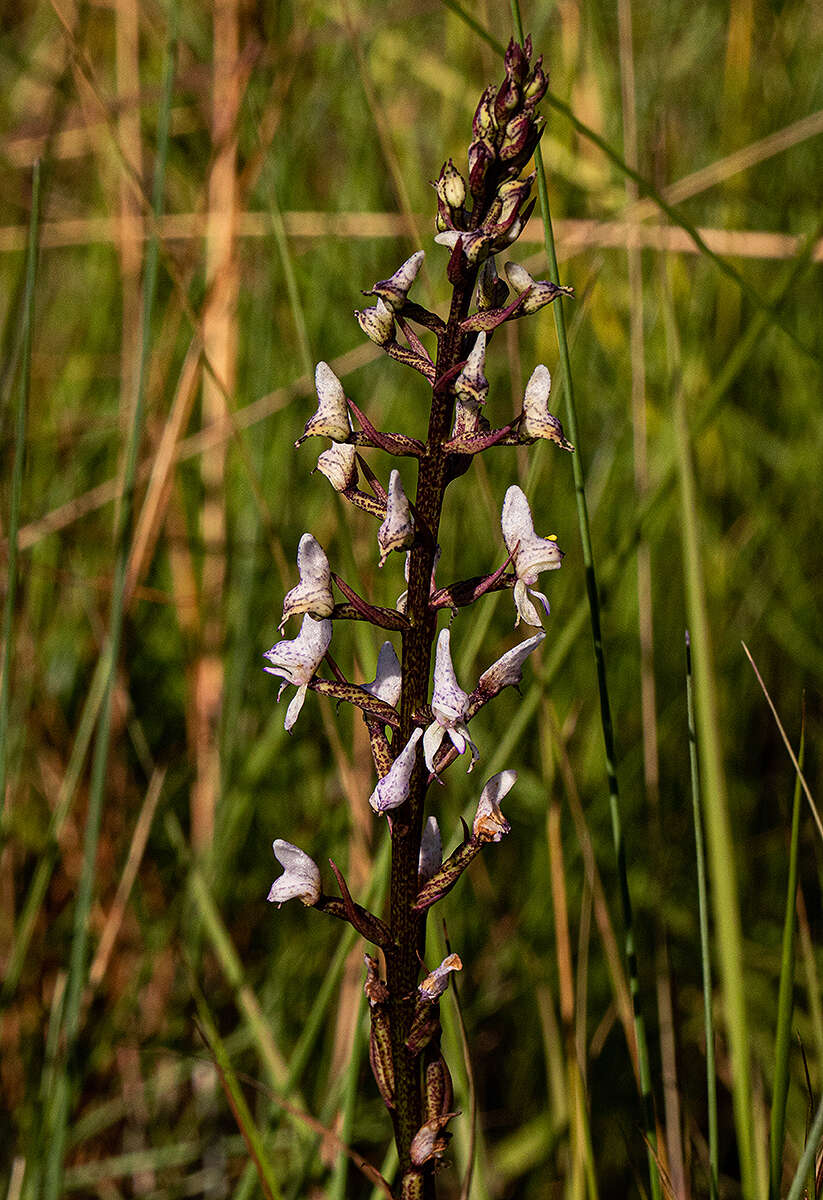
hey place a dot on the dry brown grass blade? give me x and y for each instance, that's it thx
(220, 350)
(153, 510)
(573, 235)
(133, 860)
(786, 741)
(192, 446)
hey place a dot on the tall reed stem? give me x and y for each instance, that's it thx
(79, 949)
(602, 683)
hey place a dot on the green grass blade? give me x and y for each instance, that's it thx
(716, 811)
(647, 189)
(806, 1167)
(783, 1032)
(705, 946)
(234, 1095)
(77, 962)
(649, 1127)
(17, 485)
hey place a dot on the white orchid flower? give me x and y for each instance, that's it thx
(388, 682)
(332, 416)
(489, 823)
(508, 670)
(531, 554)
(394, 291)
(431, 851)
(313, 593)
(537, 421)
(449, 704)
(296, 661)
(377, 323)
(397, 531)
(301, 878)
(436, 982)
(339, 465)
(393, 789)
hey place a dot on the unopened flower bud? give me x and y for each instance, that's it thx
(540, 292)
(537, 421)
(483, 123)
(471, 384)
(481, 157)
(394, 291)
(339, 465)
(489, 823)
(332, 416)
(451, 186)
(301, 878)
(537, 84)
(507, 671)
(313, 593)
(393, 789)
(492, 291)
(377, 323)
(397, 531)
(431, 851)
(388, 682)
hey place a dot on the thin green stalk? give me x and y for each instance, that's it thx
(705, 946)
(716, 811)
(785, 1004)
(24, 927)
(644, 1069)
(768, 310)
(78, 965)
(234, 1094)
(17, 486)
(351, 1079)
(805, 1168)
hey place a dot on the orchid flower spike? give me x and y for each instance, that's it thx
(296, 661)
(449, 704)
(388, 682)
(313, 593)
(397, 531)
(301, 879)
(377, 323)
(489, 823)
(332, 416)
(537, 421)
(531, 554)
(436, 982)
(431, 851)
(394, 292)
(507, 671)
(393, 789)
(339, 465)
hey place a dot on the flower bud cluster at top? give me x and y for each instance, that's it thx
(415, 735)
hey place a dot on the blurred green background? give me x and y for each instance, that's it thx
(303, 139)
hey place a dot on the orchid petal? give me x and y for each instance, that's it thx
(489, 823)
(332, 416)
(313, 593)
(397, 531)
(388, 682)
(393, 789)
(339, 465)
(436, 982)
(301, 878)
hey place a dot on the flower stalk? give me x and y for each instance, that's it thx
(415, 731)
